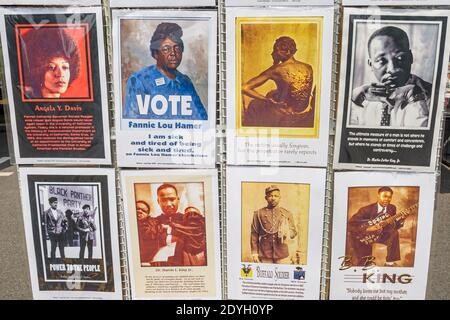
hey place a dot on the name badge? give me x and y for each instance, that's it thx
(160, 81)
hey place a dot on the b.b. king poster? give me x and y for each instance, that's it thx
(392, 87)
(382, 224)
(55, 77)
(71, 233)
(165, 87)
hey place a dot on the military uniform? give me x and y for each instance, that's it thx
(270, 230)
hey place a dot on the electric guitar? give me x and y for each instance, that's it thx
(379, 223)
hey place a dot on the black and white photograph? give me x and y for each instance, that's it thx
(71, 231)
(391, 88)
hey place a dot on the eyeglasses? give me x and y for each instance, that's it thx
(166, 49)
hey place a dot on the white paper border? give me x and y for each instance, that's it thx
(320, 144)
(439, 94)
(344, 180)
(50, 2)
(114, 232)
(172, 178)
(316, 178)
(283, 3)
(118, 14)
(394, 2)
(160, 3)
(102, 79)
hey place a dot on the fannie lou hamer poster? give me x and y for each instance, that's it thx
(382, 224)
(165, 85)
(278, 85)
(71, 232)
(392, 86)
(172, 234)
(55, 76)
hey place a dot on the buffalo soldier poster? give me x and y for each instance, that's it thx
(71, 233)
(55, 79)
(274, 232)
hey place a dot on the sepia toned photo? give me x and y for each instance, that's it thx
(382, 226)
(58, 71)
(171, 224)
(274, 222)
(278, 73)
(394, 73)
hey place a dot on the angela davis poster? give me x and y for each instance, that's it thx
(55, 72)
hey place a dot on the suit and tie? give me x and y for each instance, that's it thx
(55, 225)
(370, 215)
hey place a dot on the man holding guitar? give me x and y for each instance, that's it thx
(377, 223)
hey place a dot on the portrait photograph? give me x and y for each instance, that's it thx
(55, 80)
(60, 70)
(274, 222)
(171, 224)
(382, 226)
(165, 65)
(279, 70)
(275, 219)
(391, 88)
(278, 74)
(393, 73)
(381, 235)
(173, 235)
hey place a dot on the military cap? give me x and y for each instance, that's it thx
(272, 188)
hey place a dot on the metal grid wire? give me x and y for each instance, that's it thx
(107, 23)
(221, 130)
(328, 214)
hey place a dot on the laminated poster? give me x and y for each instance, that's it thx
(165, 87)
(56, 84)
(173, 236)
(274, 232)
(71, 233)
(382, 224)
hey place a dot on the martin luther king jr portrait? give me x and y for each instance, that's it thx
(393, 72)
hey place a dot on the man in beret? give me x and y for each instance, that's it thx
(272, 227)
(160, 91)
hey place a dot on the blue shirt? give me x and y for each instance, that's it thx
(151, 95)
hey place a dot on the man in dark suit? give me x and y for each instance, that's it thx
(365, 222)
(162, 228)
(55, 223)
(86, 227)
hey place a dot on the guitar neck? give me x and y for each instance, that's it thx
(402, 214)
